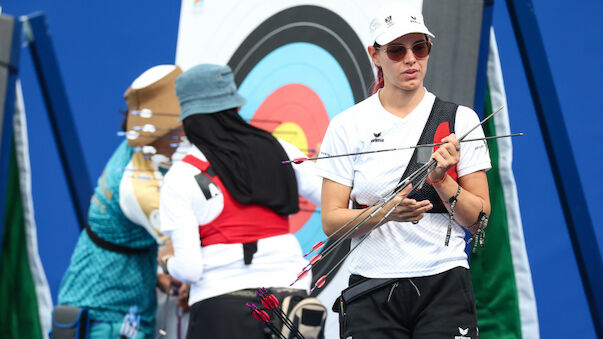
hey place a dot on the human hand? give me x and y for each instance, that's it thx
(182, 299)
(163, 282)
(407, 210)
(446, 156)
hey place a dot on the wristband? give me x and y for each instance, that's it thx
(452, 202)
(433, 183)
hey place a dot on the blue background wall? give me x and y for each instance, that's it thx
(103, 46)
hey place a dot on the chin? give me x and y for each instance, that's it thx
(411, 88)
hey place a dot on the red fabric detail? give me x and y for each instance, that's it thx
(196, 162)
(441, 132)
(238, 223)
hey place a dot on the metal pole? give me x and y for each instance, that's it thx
(59, 113)
(10, 46)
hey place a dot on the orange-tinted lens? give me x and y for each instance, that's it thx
(421, 49)
(396, 52)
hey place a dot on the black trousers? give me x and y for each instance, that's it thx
(225, 316)
(437, 306)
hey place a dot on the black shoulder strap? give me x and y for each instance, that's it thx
(109, 246)
(442, 112)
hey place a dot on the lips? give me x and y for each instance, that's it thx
(411, 73)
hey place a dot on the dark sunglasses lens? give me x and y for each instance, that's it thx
(395, 52)
(421, 50)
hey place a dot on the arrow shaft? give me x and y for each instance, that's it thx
(405, 148)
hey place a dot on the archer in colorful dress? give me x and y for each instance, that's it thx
(113, 269)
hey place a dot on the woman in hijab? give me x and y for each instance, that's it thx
(226, 208)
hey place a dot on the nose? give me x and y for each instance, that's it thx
(410, 57)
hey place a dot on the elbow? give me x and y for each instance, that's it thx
(326, 227)
(192, 275)
(187, 271)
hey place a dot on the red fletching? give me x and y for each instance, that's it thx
(321, 282)
(270, 302)
(264, 315)
(301, 275)
(261, 316)
(299, 160)
(316, 247)
(315, 259)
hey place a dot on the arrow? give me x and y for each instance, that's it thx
(271, 302)
(263, 316)
(300, 160)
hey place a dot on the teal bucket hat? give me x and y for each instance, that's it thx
(206, 89)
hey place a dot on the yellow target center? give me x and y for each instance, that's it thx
(293, 134)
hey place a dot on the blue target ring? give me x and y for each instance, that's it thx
(291, 64)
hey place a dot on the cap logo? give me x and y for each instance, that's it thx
(388, 20)
(413, 19)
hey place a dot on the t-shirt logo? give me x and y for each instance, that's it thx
(377, 137)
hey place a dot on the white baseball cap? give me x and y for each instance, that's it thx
(396, 20)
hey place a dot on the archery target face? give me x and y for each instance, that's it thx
(298, 63)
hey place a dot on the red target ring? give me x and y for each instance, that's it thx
(295, 114)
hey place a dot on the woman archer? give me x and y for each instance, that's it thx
(410, 277)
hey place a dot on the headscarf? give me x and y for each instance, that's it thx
(247, 160)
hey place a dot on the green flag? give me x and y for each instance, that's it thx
(25, 301)
(501, 275)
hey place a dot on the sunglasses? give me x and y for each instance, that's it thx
(396, 52)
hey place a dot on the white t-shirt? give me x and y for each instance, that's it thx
(218, 269)
(396, 249)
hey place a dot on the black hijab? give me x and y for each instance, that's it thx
(247, 160)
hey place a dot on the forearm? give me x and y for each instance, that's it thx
(187, 263)
(468, 204)
(333, 219)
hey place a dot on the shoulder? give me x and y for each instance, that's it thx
(180, 175)
(356, 117)
(465, 113)
(115, 168)
(360, 111)
(466, 118)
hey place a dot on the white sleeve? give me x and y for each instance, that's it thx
(308, 182)
(335, 142)
(130, 205)
(474, 155)
(178, 221)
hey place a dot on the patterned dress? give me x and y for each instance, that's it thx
(109, 283)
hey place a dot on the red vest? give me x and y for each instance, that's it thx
(238, 223)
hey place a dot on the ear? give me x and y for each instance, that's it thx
(372, 51)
